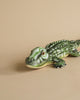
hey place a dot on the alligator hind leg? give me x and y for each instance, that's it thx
(58, 62)
(75, 53)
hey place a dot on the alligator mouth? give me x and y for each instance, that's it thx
(42, 66)
(29, 64)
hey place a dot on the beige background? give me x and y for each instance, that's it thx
(25, 24)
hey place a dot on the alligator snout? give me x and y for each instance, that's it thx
(29, 60)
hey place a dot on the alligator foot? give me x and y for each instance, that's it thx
(58, 63)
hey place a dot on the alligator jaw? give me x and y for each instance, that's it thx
(33, 67)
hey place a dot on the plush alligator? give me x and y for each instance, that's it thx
(53, 54)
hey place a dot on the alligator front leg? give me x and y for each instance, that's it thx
(75, 53)
(58, 63)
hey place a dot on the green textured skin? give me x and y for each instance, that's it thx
(53, 52)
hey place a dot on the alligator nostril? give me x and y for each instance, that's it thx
(29, 60)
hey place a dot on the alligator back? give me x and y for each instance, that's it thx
(58, 48)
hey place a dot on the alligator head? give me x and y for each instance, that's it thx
(37, 57)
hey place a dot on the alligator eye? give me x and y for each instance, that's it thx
(43, 53)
